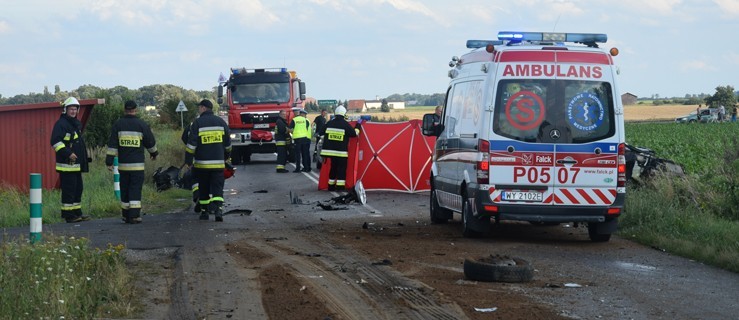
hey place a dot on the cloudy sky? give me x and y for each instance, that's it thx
(348, 49)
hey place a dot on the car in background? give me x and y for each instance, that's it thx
(706, 115)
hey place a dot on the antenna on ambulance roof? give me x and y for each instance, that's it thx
(556, 22)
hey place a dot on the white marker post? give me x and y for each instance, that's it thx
(181, 108)
(35, 208)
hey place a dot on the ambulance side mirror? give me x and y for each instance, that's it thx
(431, 125)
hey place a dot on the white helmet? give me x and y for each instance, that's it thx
(340, 111)
(71, 101)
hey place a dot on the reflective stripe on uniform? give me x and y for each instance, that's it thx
(130, 166)
(152, 149)
(58, 146)
(216, 199)
(67, 136)
(194, 187)
(135, 204)
(280, 143)
(210, 164)
(67, 207)
(112, 152)
(125, 205)
(340, 183)
(334, 153)
(65, 167)
(190, 148)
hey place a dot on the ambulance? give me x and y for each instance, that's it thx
(531, 129)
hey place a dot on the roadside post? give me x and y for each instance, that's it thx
(35, 208)
(116, 179)
(181, 108)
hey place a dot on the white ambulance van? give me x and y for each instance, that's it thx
(532, 129)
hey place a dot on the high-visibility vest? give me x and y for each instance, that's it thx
(301, 128)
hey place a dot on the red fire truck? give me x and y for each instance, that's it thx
(254, 98)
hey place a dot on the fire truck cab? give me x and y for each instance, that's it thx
(254, 98)
(532, 129)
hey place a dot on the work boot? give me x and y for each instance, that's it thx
(297, 170)
(73, 219)
(204, 215)
(219, 214)
(198, 208)
(331, 187)
(282, 170)
(134, 220)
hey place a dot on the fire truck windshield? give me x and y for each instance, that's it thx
(254, 93)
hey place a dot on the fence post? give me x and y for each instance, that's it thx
(35, 208)
(116, 179)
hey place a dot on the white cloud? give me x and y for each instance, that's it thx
(664, 7)
(696, 65)
(729, 7)
(4, 27)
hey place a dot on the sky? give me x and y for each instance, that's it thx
(349, 49)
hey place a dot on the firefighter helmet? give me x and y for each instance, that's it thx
(71, 101)
(340, 111)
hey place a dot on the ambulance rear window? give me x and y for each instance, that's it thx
(554, 111)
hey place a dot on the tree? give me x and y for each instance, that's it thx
(384, 107)
(724, 96)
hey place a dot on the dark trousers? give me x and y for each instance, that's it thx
(131, 184)
(302, 151)
(210, 185)
(71, 183)
(337, 174)
(281, 154)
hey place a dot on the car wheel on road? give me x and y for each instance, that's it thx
(498, 269)
(595, 236)
(472, 227)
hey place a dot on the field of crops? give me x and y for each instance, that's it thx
(696, 146)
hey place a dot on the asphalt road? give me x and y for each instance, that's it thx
(326, 261)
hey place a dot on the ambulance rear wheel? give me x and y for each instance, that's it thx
(595, 236)
(472, 227)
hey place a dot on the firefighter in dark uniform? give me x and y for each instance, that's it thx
(336, 147)
(71, 160)
(129, 137)
(281, 141)
(208, 149)
(300, 130)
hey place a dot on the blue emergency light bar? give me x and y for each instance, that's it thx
(474, 44)
(515, 36)
(237, 71)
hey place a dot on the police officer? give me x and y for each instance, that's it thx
(129, 136)
(300, 129)
(71, 160)
(281, 141)
(336, 145)
(209, 147)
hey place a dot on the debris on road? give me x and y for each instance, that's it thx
(261, 191)
(243, 212)
(572, 285)
(330, 207)
(384, 262)
(486, 309)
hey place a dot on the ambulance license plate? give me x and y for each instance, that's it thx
(261, 125)
(531, 196)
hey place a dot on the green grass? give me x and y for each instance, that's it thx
(98, 198)
(62, 278)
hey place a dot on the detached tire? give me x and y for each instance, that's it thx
(498, 269)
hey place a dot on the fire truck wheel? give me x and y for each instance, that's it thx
(495, 268)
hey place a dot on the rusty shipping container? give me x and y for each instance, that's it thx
(25, 132)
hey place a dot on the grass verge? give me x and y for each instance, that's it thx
(62, 278)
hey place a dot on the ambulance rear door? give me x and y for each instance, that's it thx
(555, 139)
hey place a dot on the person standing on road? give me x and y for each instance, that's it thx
(336, 147)
(300, 130)
(129, 137)
(208, 149)
(281, 141)
(194, 186)
(318, 123)
(71, 160)
(721, 113)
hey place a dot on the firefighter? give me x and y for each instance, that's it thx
(71, 160)
(281, 141)
(208, 150)
(336, 145)
(300, 130)
(129, 136)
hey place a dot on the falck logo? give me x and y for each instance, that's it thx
(527, 158)
(554, 134)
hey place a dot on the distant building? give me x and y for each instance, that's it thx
(356, 106)
(376, 104)
(628, 99)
